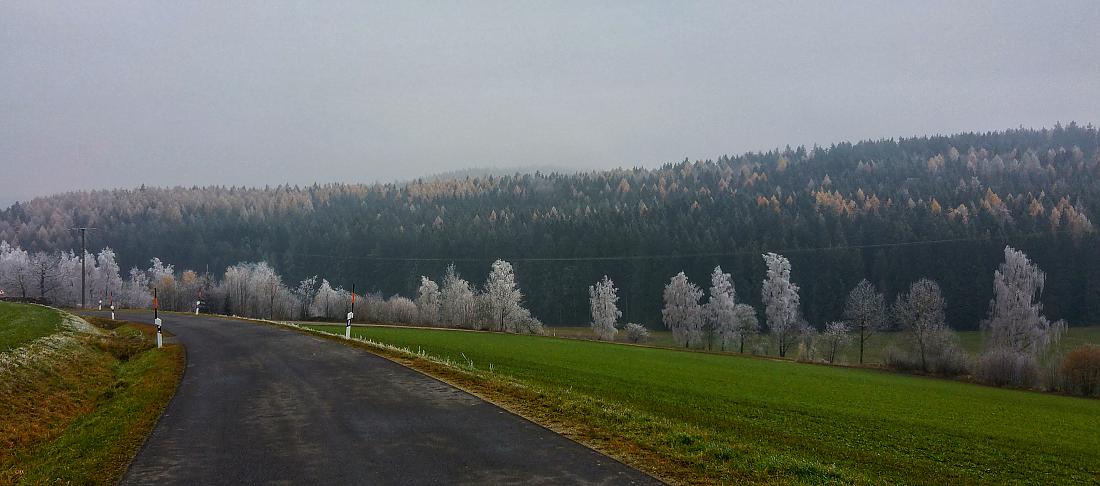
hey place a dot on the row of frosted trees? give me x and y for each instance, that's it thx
(497, 306)
(56, 277)
(1020, 343)
(257, 290)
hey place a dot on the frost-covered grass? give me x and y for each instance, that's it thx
(22, 323)
(719, 418)
(78, 403)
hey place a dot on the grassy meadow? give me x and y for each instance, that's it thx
(79, 402)
(726, 418)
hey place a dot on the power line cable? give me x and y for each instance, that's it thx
(668, 256)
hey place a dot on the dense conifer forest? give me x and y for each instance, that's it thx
(892, 211)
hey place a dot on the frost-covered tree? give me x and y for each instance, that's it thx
(188, 285)
(866, 310)
(328, 303)
(1017, 334)
(781, 302)
(428, 301)
(457, 300)
(721, 310)
(745, 324)
(15, 270)
(306, 292)
(528, 324)
(135, 292)
(108, 281)
(252, 289)
(682, 313)
(66, 277)
(5, 250)
(371, 307)
(163, 278)
(401, 310)
(502, 297)
(636, 333)
(834, 339)
(603, 300)
(920, 312)
(46, 273)
(1015, 319)
(270, 287)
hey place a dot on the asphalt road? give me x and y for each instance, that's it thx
(262, 405)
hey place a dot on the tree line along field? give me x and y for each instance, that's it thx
(732, 418)
(970, 341)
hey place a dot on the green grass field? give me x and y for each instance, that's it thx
(971, 341)
(731, 418)
(22, 323)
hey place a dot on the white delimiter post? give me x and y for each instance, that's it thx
(112, 312)
(156, 319)
(351, 313)
(197, 304)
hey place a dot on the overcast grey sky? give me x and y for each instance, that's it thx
(115, 94)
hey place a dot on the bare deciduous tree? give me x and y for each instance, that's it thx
(834, 339)
(746, 324)
(866, 310)
(920, 312)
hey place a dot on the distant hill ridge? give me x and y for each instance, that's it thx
(496, 172)
(840, 213)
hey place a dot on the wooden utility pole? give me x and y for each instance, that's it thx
(83, 267)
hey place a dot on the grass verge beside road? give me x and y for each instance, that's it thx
(704, 418)
(23, 323)
(80, 402)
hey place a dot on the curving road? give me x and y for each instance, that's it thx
(261, 405)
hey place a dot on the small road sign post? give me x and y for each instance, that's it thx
(351, 314)
(156, 320)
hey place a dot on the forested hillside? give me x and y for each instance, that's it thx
(890, 210)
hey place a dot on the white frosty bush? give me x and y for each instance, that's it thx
(636, 333)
